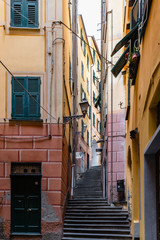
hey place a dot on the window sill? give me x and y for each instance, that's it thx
(26, 122)
(25, 28)
(25, 234)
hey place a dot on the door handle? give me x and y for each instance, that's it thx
(29, 210)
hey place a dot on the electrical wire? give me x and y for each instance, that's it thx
(60, 22)
(27, 91)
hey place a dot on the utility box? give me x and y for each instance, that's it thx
(120, 185)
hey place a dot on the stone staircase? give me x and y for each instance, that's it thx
(89, 216)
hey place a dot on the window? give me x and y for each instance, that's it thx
(94, 55)
(24, 13)
(82, 128)
(94, 76)
(87, 85)
(87, 137)
(93, 119)
(82, 70)
(89, 111)
(87, 61)
(81, 37)
(97, 124)
(23, 106)
(98, 69)
(94, 98)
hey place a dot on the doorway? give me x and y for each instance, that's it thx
(25, 203)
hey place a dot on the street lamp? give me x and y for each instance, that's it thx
(84, 106)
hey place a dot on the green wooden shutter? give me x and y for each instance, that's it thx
(82, 128)
(16, 11)
(87, 137)
(89, 111)
(32, 13)
(87, 61)
(93, 119)
(94, 97)
(84, 49)
(81, 37)
(18, 98)
(81, 91)
(34, 90)
(94, 76)
(93, 55)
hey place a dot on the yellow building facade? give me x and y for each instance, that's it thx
(142, 80)
(35, 96)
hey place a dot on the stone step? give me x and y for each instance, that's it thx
(95, 217)
(100, 236)
(97, 210)
(98, 225)
(93, 221)
(91, 207)
(97, 231)
(96, 214)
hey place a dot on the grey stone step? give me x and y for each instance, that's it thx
(96, 230)
(96, 214)
(100, 236)
(98, 225)
(93, 221)
(105, 208)
(96, 217)
(98, 210)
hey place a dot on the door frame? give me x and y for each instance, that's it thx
(27, 176)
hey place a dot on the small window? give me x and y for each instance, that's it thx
(87, 137)
(98, 68)
(94, 98)
(94, 120)
(82, 70)
(87, 61)
(23, 105)
(94, 55)
(24, 13)
(87, 85)
(94, 76)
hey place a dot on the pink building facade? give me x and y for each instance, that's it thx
(33, 179)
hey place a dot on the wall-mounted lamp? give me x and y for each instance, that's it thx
(84, 106)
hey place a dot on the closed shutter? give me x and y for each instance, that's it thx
(34, 90)
(23, 105)
(16, 11)
(87, 137)
(32, 13)
(81, 37)
(94, 76)
(18, 98)
(89, 111)
(81, 92)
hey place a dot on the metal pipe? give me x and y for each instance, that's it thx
(74, 77)
(111, 189)
(102, 166)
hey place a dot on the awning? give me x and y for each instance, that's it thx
(124, 40)
(120, 63)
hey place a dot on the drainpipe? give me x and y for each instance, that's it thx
(111, 137)
(111, 109)
(102, 165)
(74, 85)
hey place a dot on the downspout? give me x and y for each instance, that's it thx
(102, 166)
(111, 109)
(74, 77)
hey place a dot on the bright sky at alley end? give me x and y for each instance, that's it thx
(91, 12)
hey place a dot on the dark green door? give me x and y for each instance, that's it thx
(26, 204)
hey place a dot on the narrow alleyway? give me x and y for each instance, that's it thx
(89, 216)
